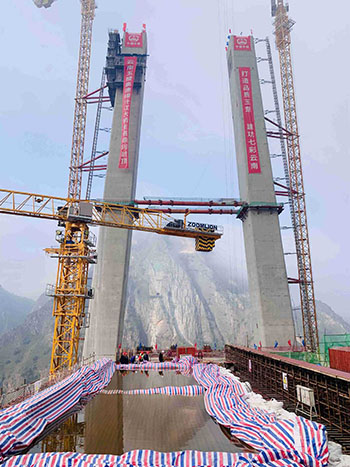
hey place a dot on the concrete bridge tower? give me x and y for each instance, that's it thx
(125, 71)
(267, 277)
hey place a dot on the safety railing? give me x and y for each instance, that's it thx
(19, 394)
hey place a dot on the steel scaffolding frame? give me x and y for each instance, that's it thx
(283, 27)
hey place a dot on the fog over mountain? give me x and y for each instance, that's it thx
(175, 295)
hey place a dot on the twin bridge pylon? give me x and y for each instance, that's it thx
(259, 213)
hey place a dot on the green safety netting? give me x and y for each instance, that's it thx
(327, 341)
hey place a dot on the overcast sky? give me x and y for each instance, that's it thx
(187, 137)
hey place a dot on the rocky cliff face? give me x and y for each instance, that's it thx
(175, 295)
(25, 350)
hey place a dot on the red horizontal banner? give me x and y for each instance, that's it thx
(133, 40)
(242, 43)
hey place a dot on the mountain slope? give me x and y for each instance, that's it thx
(25, 350)
(13, 310)
(175, 295)
(328, 321)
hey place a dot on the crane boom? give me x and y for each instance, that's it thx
(97, 213)
(77, 250)
(80, 110)
(283, 27)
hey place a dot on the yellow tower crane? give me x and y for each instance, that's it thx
(77, 244)
(70, 291)
(77, 250)
(283, 25)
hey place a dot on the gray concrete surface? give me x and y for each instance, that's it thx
(110, 277)
(267, 277)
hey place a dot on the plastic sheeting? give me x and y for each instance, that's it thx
(147, 458)
(22, 423)
(278, 439)
(191, 390)
(185, 365)
(226, 399)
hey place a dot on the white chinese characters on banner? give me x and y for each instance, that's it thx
(249, 121)
(129, 77)
(242, 43)
(133, 39)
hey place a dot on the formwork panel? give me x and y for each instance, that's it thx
(277, 376)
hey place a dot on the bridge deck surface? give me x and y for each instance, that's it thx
(114, 423)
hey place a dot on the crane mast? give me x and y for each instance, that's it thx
(74, 253)
(80, 110)
(283, 26)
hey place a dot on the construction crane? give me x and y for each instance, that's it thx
(283, 25)
(70, 290)
(79, 121)
(77, 244)
(77, 250)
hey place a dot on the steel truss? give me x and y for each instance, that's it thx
(74, 255)
(79, 121)
(283, 26)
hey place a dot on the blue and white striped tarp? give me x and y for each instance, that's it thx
(185, 365)
(22, 423)
(191, 390)
(148, 458)
(279, 443)
(225, 400)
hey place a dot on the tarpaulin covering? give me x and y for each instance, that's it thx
(192, 390)
(185, 365)
(150, 458)
(22, 423)
(279, 442)
(300, 440)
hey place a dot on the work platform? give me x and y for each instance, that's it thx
(117, 423)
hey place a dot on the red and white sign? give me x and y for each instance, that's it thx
(132, 39)
(249, 121)
(129, 77)
(242, 43)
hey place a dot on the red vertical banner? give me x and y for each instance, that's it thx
(249, 121)
(129, 77)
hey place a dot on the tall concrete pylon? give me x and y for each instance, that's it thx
(125, 72)
(267, 277)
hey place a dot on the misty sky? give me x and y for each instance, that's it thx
(187, 137)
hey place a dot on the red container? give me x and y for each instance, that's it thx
(186, 351)
(339, 358)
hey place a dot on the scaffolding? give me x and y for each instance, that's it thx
(283, 26)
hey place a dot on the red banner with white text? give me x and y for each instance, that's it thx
(129, 77)
(249, 121)
(242, 43)
(133, 39)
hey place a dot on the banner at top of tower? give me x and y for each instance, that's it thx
(132, 39)
(242, 43)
